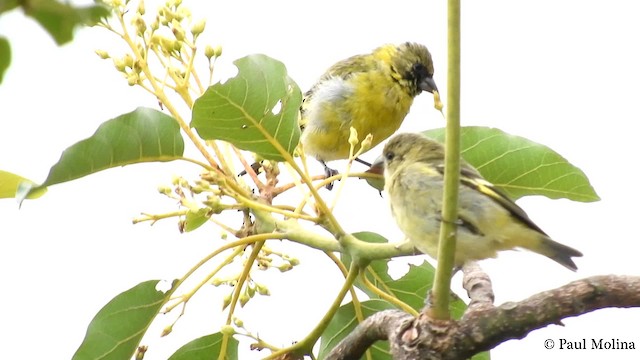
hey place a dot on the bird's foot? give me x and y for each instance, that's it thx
(329, 172)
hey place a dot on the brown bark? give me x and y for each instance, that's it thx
(484, 326)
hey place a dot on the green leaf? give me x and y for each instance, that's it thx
(411, 288)
(517, 165)
(206, 348)
(115, 332)
(60, 19)
(378, 274)
(195, 219)
(482, 356)
(5, 56)
(377, 172)
(520, 166)
(345, 321)
(11, 183)
(144, 135)
(257, 110)
(6, 5)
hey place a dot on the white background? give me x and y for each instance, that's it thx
(564, 74)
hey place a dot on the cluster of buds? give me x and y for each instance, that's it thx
(201, 198)
(168, 33)
(184, 191)
(129, 66)
(212, 52)
(265, 260)
(250, 289)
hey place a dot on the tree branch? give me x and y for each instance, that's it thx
(378, 326)
(484, 326)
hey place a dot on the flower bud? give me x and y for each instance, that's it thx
(293, 261)
(103, 54)
(166, 15)
(119, 64)
(251, 291)
(217, 51)
(198, 27)
(175, 180)
(209, 52)
(262, 289)
(237, 322)
(140, 25)
(226, 300)
(353, 136)
(244, 299)
(141, 10)
(366, 142)
(177, 30)
(167, 44)
(285, 267)
(140, 351)
(167, 330)
(132, 79)
(183, 13)
(128, 60)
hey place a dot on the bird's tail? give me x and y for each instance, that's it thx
(561, 254)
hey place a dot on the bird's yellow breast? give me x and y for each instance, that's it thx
(371, 102)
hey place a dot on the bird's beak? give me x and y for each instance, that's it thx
(428, 85)
(377, 167)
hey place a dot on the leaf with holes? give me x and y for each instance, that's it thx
(257, 110)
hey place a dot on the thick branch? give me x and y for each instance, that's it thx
(375, 327)
(516, 320)
(266, 223)
(484, 326)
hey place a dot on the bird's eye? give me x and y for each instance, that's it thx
(420, 71)
(389, 155)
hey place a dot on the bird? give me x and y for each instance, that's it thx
(370, 92)
(488, 220)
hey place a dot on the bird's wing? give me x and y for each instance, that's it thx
(420, 175)
(353, 65)
(342, 69)
(470, 177)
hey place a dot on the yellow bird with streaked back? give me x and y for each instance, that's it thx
(488, 221)
(371, 93)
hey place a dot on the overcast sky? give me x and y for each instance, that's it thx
(562, 73)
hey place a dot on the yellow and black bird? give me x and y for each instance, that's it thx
(371, 93)
(488, 220)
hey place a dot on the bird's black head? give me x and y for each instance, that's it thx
(413, 63)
